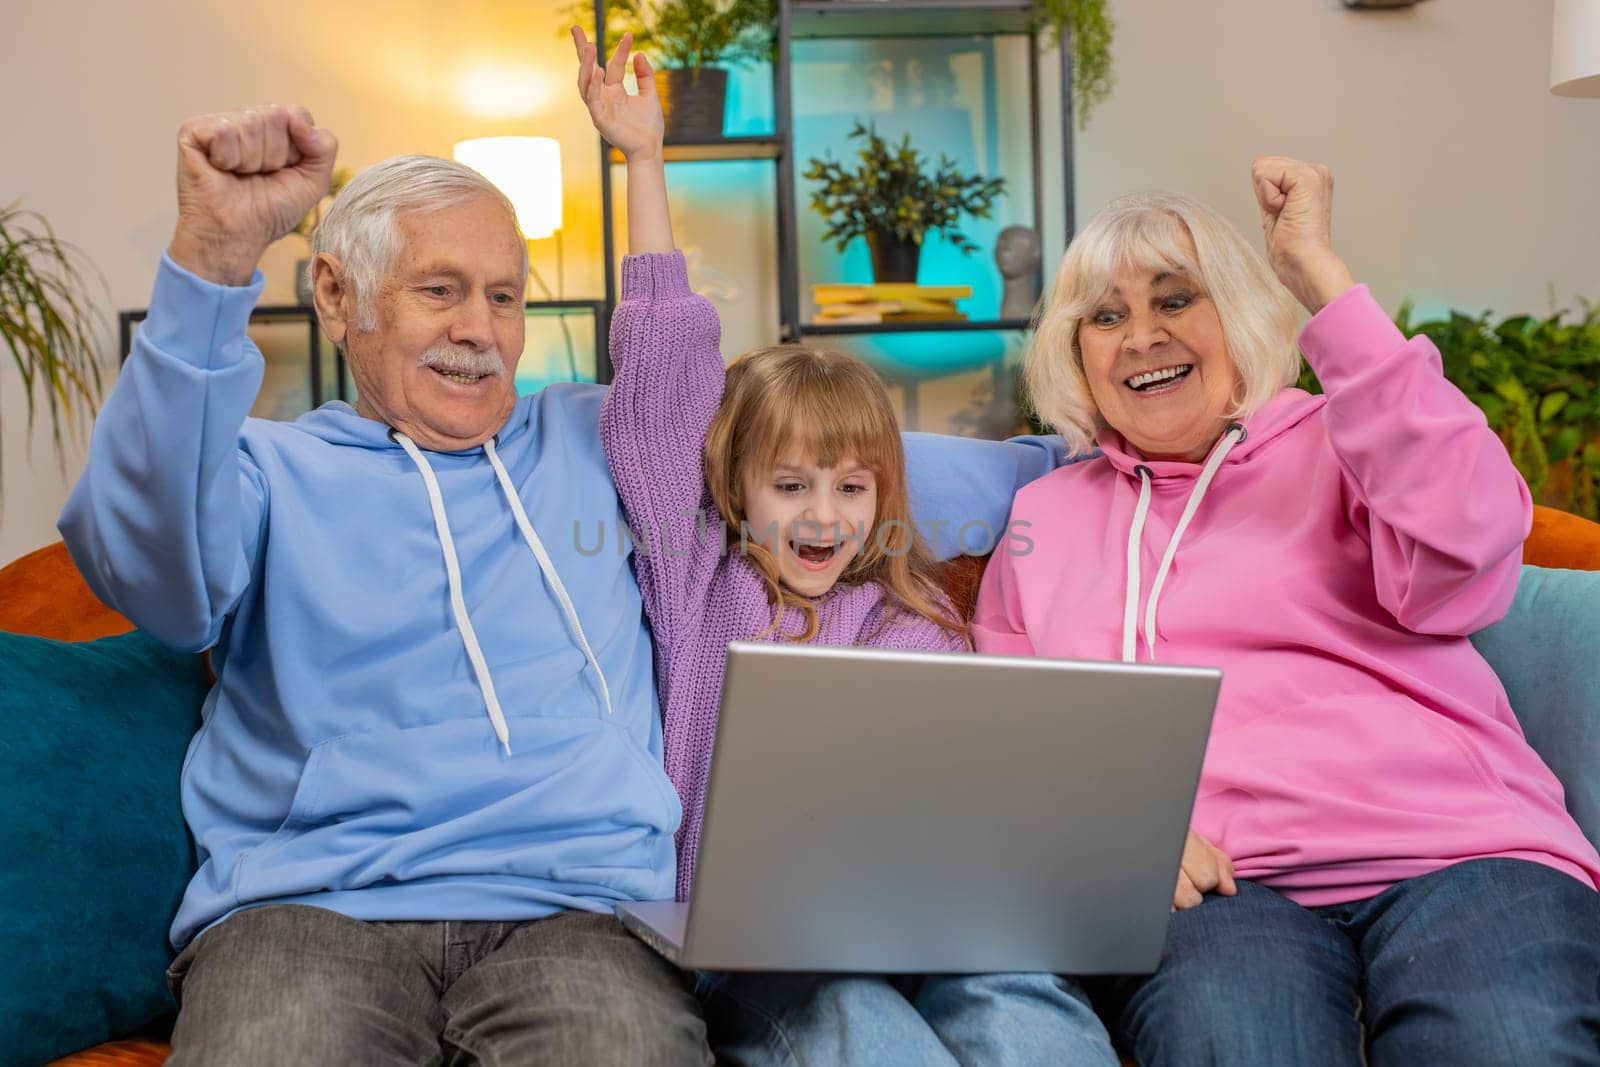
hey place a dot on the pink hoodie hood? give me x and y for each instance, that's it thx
(1330, 556)
(1282, 413)
(1287, 409)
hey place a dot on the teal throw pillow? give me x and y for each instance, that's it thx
(94, 854)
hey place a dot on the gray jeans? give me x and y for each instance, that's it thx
(288, 984)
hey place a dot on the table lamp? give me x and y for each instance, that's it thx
(1575, 48)
(527, 170)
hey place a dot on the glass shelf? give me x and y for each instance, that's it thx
(722, 148)
(815, 19)
(815, 329)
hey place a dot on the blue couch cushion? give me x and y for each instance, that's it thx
(94, 855)
(1547, 652)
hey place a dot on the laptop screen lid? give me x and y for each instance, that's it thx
(887, 811)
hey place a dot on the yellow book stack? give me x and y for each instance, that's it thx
(888, 302)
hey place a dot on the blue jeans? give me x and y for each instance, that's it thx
(825, 1020)
(1487, 962)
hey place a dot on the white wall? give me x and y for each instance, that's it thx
(1461, 181)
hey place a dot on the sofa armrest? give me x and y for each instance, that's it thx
(43, 595)
(1562, 540)
(1545, 654)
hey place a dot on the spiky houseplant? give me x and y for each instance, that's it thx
(892, 196)
(49, 321)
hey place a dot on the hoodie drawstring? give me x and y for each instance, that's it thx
(1130, 602)
(549, 569)
(1234, 434)
(458, 604)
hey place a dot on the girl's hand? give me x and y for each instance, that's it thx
(1206, 869)
(1296, 202)
(632, 124)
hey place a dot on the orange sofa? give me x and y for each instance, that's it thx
(42, 594)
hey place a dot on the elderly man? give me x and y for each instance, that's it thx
(431, 763)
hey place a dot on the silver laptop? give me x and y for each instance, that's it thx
(930, 812)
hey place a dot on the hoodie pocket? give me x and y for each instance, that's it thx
(575, 805)
(1356, 778)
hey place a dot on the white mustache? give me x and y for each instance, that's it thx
(463, 359)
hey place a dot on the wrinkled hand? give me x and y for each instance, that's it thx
(1296, 202)
(1206, 868)
(632, 123)
(245, 178)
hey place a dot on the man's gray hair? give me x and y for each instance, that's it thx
(359, 229)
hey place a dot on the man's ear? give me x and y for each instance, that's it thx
(334, 300)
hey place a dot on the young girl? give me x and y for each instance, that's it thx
(770, 504)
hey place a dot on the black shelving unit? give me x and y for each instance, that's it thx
(306, 315)
(852, 19)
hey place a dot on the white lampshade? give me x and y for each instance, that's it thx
(527, 170)
(1575, 48)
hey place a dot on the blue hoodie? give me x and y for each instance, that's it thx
(347, 757)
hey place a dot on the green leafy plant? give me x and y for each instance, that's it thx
(1089, 28)
(1538, 383)
(336, 181)
(892, 191)
(48, 319)
(691, 34)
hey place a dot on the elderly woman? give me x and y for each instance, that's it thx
(1373, 841)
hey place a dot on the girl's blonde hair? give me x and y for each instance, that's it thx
(788, 401)
(1150, 231)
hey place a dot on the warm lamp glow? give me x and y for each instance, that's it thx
(491, 90)
(1575, 48)
(527, 170)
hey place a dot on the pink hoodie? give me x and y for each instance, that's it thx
(1332, 569)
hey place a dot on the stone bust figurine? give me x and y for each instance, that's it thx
(1017, 253)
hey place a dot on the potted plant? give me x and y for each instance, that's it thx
(307, 226)
(48, 319)
(1088, 28)
(1538, 383)
(893, 199)
(694, 43)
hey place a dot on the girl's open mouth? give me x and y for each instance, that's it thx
(816, 557)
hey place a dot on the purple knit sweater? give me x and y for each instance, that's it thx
(697, 596)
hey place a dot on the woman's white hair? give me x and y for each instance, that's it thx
(359, 229)
(1153, 231)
